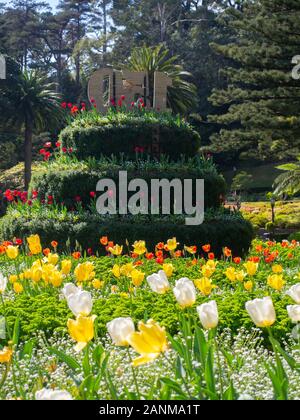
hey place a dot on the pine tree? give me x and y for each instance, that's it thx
(262, 98)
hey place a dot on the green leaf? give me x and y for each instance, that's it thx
(70, 361)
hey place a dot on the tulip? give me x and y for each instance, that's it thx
(50, 394)
(3, 283)
(116, 270)
(262, 312)
(276, 281)
(52, 258)
(231, 274)
(137, 277)
(139, 247)
(168, 269)
(294, 313)
(159, 282)
(125, 270)
(294, 293)
(36, 274)
(18, 288)
(34, 244)
(251, 268)
(56, 278)
(84, 272)
(149, 342)
(116, 250)
(172, 244)
(12, 252)
(185, 292)
(66, 266)
(119, 330)
(277, 269)
(205, 286)
(208, 314)
(80, 303)
(6, 355)
(240, 275)
(248, 285)
(70, 289)
(81, 330)
(97, 284)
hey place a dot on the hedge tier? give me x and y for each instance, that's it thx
(153, 138)
(85, 229)
(65, 185)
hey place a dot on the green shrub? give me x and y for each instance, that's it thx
(65, 184)
(219, 229)
(294, 236)
(96, 135)
(45, 312)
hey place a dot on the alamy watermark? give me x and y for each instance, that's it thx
(296, 68)
(161, 197)
(2, 67)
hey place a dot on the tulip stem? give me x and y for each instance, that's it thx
(219, 365)
(134, 375)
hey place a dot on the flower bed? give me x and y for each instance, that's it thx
(129, 324)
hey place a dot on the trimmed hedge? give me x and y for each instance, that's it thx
(65, 185)
(107, 136)
(219, 229)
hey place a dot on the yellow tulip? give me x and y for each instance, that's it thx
(18, 288)
(27, 274)
(208, 271)
(53, 259)
(56, 278)
(276, 281)
(36, 274)
(137, 277)
(149, 342)
(97, 284)
(126, 269)
(81, 330)
(116, 271)
(5, 355)
(172, 244)
(34, 244)
(140, 247)
(84, 272)
(212, 264)
(116, 250)
(66, 266)
(248, 285)
(13, 278)
(205, 286)
(230, 274)
(240, 275)
(12, 252)
(168, 269)
(47, 272)
(251, 268)
(277, 269)
(191, 249)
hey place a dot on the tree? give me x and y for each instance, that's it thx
(262, 100)
(30, 102)
(289, 181)
(182, 96)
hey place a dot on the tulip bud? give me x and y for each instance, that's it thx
(294, 293)
(262, 312)
(208, 314)
(159, 282)
(120, 330)
(294, 313)
(185, 292)
(80, 303)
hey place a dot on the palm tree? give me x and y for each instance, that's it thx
(30, 102)
(289, 181)
(182, 96)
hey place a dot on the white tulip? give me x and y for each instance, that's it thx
(294, 313)
(3, 283)
(159, 282)
(70, 289)
(185, 292)
(262, 312)
(294, 293)
(120, 329)
(208, 314)
(49, 394)
(80, 303)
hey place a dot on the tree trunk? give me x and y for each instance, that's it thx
(28, 152)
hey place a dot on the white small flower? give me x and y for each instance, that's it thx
(49, 394)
